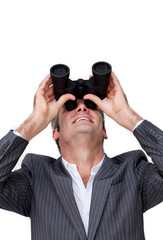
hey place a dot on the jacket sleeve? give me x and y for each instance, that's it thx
(15, 187)
(150, 175)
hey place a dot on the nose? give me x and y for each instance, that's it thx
(81, 107)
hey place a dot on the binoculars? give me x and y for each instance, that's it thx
(97, 84)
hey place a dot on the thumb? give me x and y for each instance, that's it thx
(94, 99)
(64, 98)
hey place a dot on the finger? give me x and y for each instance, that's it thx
(114, 78)
(90, 76)
(114, 83)
(64, 98)
(50, 99)
(46, 82)
(110, 86)
(94, 99)
(49, 92)
(44, 86)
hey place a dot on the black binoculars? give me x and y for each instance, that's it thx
(97, 84)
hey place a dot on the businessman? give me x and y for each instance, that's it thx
(84, 194)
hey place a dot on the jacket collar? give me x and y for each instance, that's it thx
(101, 186)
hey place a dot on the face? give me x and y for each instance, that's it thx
(79, 122)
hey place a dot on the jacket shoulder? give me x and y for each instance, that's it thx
(32, 159)
(135, 156)
(133, 161)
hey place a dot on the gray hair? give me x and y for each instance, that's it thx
(55, 125)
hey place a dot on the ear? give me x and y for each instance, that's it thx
(105, 134)
(55, 134)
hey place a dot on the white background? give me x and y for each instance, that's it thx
(37, 34)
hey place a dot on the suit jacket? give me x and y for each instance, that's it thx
(125, 187)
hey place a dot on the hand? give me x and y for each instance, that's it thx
(44, 105)
(115, 105)
(44, 111)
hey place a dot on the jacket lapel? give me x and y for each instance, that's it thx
(101, 187)
(63, 185)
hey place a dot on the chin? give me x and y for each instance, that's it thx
(84, 128)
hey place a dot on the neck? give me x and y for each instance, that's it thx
(85, 155)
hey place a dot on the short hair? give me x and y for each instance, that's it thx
(55, 125)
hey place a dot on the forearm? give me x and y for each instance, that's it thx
(11, 148)
(15, 186)
(128, 118)
(150, 175)
(31, 127)
(150, 138)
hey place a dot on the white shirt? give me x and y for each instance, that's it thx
(82, 194)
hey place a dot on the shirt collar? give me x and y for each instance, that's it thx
(71, 167)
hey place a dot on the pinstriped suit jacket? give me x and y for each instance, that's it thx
(125, 187)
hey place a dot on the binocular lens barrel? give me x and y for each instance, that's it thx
(97, 85)
(101, 72)
(60, 75)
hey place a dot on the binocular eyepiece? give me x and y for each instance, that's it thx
(95, 85)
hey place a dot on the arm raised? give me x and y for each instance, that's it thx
(45, 109)
(115, 105)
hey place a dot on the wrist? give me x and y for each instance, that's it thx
(30, 127)
(129, 118)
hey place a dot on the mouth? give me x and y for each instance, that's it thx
(82, 119)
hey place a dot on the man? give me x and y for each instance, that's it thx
(84, 194)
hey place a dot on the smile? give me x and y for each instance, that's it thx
(82, 118)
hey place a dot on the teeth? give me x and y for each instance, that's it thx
(83, 118)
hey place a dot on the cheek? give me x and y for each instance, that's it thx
(63, 125)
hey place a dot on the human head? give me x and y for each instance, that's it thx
(55, 124)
